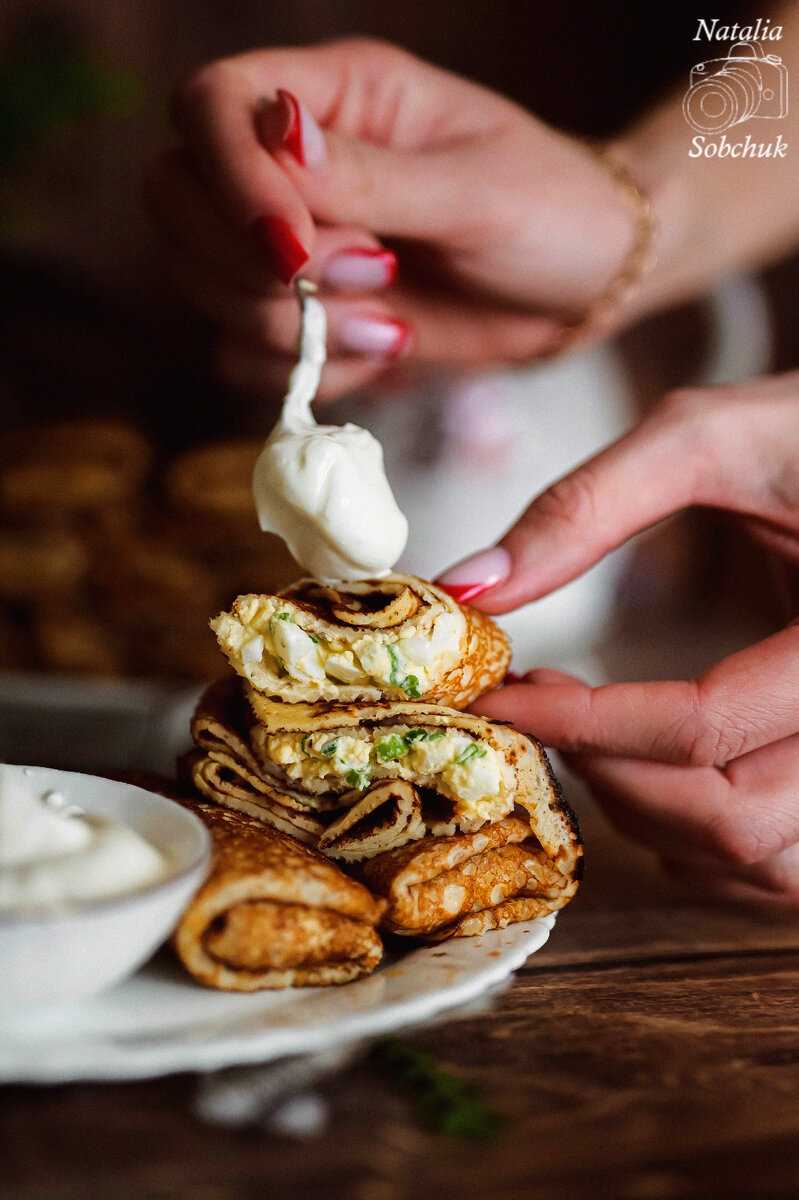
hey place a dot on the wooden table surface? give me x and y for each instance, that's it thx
(650, 1051)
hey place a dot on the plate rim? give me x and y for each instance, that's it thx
(102, 1060)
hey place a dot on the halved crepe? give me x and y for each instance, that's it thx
(464, 885)
(395, 638)
(468, 770)
(258, 748)
(274, 913)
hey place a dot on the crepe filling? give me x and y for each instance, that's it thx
(266, 642)
(467, 771)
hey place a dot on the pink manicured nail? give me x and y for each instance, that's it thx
(302, 137)
(470, 578)
(361, 269)
(376, 335)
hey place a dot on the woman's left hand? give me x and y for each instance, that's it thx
(704, 771)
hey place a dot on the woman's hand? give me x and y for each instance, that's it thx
(304, 159)
(706, 772)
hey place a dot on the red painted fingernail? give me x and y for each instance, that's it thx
(283, 250)
(300, 135)
(406, 339)
(292, 135)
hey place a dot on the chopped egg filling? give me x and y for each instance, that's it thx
(266, 642)
(464, 769)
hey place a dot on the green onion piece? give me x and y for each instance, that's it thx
(416, 735)
(408, 683)
(329, 748)
(304, 743)
(469, 752)
(391, 749)
(423, 735)
(314, 638)
(358, 777)
(284, 616)
(395, 666)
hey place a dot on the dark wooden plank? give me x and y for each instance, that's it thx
(662, 1075)
(659, 1082)
(649, 1052)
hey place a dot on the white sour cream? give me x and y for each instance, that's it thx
(323, 488)
(51, 854)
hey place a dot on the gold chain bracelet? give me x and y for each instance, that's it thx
(637, 264)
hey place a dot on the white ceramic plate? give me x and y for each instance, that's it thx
(159, 1021)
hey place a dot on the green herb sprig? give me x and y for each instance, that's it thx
(442, 1101)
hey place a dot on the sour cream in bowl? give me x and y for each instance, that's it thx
(94, 875)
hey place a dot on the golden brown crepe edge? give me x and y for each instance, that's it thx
(215, 974)
(402, 876)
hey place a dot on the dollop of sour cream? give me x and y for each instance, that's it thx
(52, 854)
(323, 488)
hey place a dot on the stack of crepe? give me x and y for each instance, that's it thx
(342, 729)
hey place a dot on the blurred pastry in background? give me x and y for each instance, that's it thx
(73, 465)
(215, 478)
(110, 563)
(39, 561)
(75, 642)
(138, 577)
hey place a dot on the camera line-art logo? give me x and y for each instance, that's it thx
(727, 90)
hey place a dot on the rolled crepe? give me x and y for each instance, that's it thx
(388, 814)
(274, 913)
(395, 638)
(224, 769)
(464, 885)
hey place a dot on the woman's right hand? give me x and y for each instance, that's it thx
(703, 770)
(304, 159)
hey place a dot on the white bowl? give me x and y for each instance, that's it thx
(75, 951)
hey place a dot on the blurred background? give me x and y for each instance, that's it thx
(125, 517)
